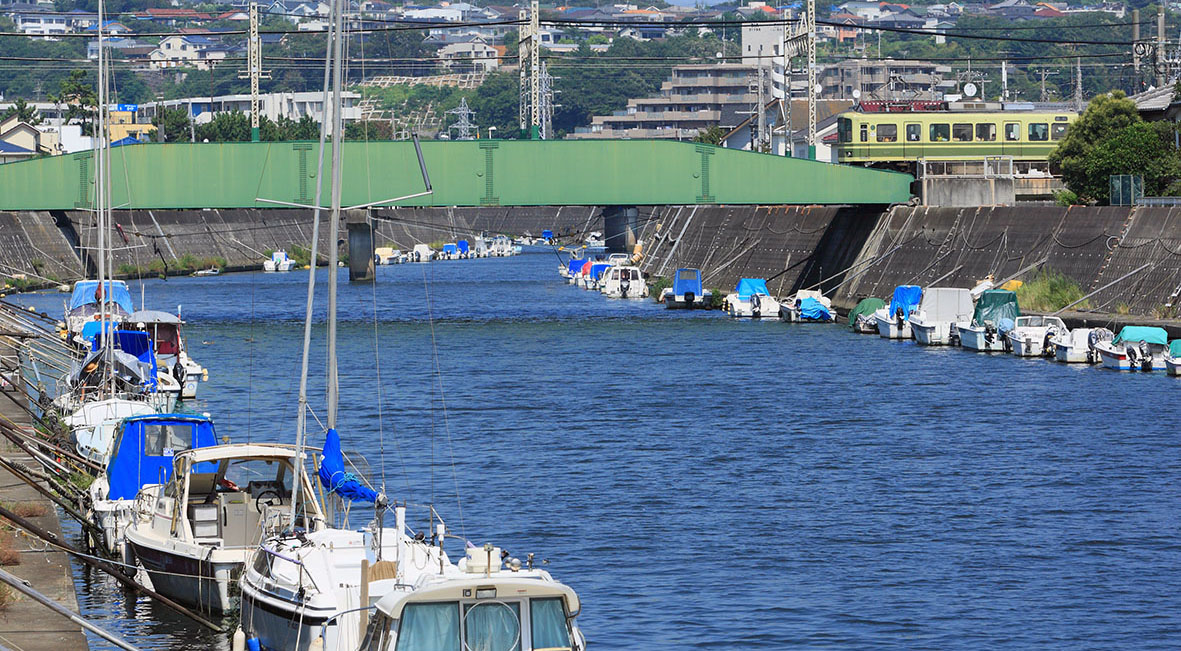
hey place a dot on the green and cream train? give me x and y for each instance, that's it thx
(899, 139)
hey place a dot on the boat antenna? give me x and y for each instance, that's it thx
(302, 420)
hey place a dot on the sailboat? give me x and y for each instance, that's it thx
(315, 589)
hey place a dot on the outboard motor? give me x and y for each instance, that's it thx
(756, 305)
(899, 318)
(1133, 357)
(178, 372)
(989, 332)
(624, 285)
(689, 297)
(1048, 345)
(1145, 357)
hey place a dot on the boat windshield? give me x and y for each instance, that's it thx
(490, 624)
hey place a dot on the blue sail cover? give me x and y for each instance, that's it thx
(145, 445)
(115, 292)
(687, 280)
(906, 297)
(463, 246)
(336, 478)
(597, 269)
(814, 310)
(748, 287)
(132, 342)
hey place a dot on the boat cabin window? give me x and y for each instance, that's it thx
(492, 625)
(687, 274)
(940, 132)
(961, 132)
(429, 627)
(1039, 131)
(166, 440)
(887, 133)
(1012, 131)
(865, 133)
(486, 624)
(914, 132)
(548, 619)
(166, 339)
(986, 131)
(1057, 131)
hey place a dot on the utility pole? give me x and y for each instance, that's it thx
(1135, 41)
(762, 114)
(1078, 85)
(254, 71)
(1004, 81)
(1160, 47)
(523, 80)
(1045, 72)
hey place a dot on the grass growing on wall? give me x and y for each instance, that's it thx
(1050, 291)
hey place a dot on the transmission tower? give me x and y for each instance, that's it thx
(254, 70)
(529, 54)
(547, 103)
(803, 39)
(464, 124)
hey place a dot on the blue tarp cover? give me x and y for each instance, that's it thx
(687, 280)
(90, 329)
(597, 269)
(575, 265)
(463, 246)
(450, 248)
(115, 291)
(748, 287)
(132, 466)
(132, 342)
(547, 234)
(814, 310)
(906, 297)
(1147, 334)
(336, 478)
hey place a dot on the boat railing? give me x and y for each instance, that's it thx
(294, 561)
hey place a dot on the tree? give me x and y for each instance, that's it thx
(711, 136)
(1105, 115)
(1144, 148)
(226, 127)
(172, 124)
(23, 112)
(78, 95)
(368, 130)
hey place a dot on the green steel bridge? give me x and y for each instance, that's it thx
(463, 173)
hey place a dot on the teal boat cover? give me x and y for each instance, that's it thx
(1147, 334)
(996, 305)
(865, 307)
(1175, 348)
(906, 298)
(748, 287)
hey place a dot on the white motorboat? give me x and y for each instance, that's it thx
(387, 255)
(751, 300)
(941, 310)
(592, 275)
(146, 446)
(501, 246)
(861, 317)
(193, 533)
(624, 282)
(450, 252)
(92, 426)
(212, 271)
(995, 314)
(1173, 358)
(279, 262)
(87, 305)
(1078, 346)
(894, 321)
(686, 292)
(807, 306)
(1135, 348)
(1031, 335)
(421, 253)
(171, 350)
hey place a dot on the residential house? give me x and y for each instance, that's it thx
(19, 141)
(1012, 9)
(866, 10)
(171, 15)
(473, 56)
(189, 51)
(847, 28)
(905, 19)
(34, 20)
(234, 14)
(293, 106)
(789, 129)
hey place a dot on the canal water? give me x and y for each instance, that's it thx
(706, 483)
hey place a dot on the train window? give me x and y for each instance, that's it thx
(865, 133)
(887, 133)
(940, 132)
(914, 132)
(961, 132)
(1039, 131)
(986, 131)
(1057, 131)
(844, 130)
(1012, 131)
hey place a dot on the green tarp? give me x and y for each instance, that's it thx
(1175, 348)
(1147, 334)
(994, 305)
(866, 306)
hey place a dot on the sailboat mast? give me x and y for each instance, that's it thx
(302, 419)
(334, 227)
(100, 188)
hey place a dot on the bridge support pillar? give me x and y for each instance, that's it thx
(360, 248)
(620, 225)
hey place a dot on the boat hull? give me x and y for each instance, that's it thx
(1119, 361)
(1025, 346)
(1173, 366)
(933, 334)
(207, 585)
(889, 329)
(278, 625)
(979, 340)
(1072, 354)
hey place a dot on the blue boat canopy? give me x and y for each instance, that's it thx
(906, 297)
(547, 234)
(145, 446)
(574, 265)
(115, 292)
(748, 287)
(463, 246)
(687, 281)
(90, 329)
(136, 343)
(450, 248)
(336, 478)
(597, 269)
(1147, 334)
(814, 310)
